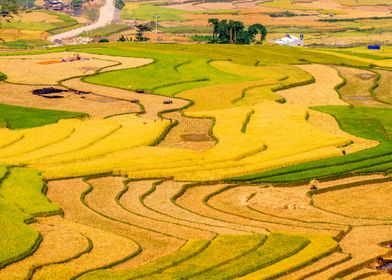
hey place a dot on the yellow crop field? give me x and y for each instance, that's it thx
(9, 137)
(35, 138)
(86, 134)
(133, 132)
(258, 151)
(196, 161)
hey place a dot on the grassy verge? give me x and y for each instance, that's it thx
(18, 117)
(21, 198)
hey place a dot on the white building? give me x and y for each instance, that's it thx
(290, 40)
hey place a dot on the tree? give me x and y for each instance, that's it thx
(140, 29)
(254, 29)
(233, 32)
(8, 8)
(214, 25)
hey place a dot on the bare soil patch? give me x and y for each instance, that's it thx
(160, 200)
(189, 133)
(132, 202)
(92, 104)
(154, 244)
(153, 104)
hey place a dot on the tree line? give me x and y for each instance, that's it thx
(234, 32)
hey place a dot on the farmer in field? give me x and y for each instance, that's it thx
(313, 184)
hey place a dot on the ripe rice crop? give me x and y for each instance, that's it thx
(319, 246)
(133, 132)
(32, 138)
(86, 133)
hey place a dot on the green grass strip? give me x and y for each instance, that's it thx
(223, 249)
(25, 188)
(18, 117)
(189, 250)
(21, 197)
(319, 247)
(276, 248)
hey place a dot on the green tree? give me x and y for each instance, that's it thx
(234, 32)
(8, 8)
(254, 29)
(140, 29)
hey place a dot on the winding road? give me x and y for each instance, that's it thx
(106, 16)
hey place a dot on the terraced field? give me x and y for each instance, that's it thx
(193, 162)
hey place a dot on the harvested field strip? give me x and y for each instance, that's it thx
(30, 69)
(86, 134)
(274, 249)
(383, 92)
(189, 133)
(59, 244)
(160, 200)
(351, 120)
(241, 201)
(102, 199)
(192, 199)
(322, 92)
(33, 139)
(195, 199)
(107, 250)
(358, 86)
(367, 202)
(223, 249)
(153, 245)
(18, 117)
(152, 104)
(189, 250)
(319, 247)
(362, 243)
(298, 209)
(318, 266)
(132, 201)
(91, 104)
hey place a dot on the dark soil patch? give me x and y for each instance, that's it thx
(195, 137)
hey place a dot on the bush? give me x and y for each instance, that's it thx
(103, 40)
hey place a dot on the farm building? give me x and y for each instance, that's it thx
(290, 40)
